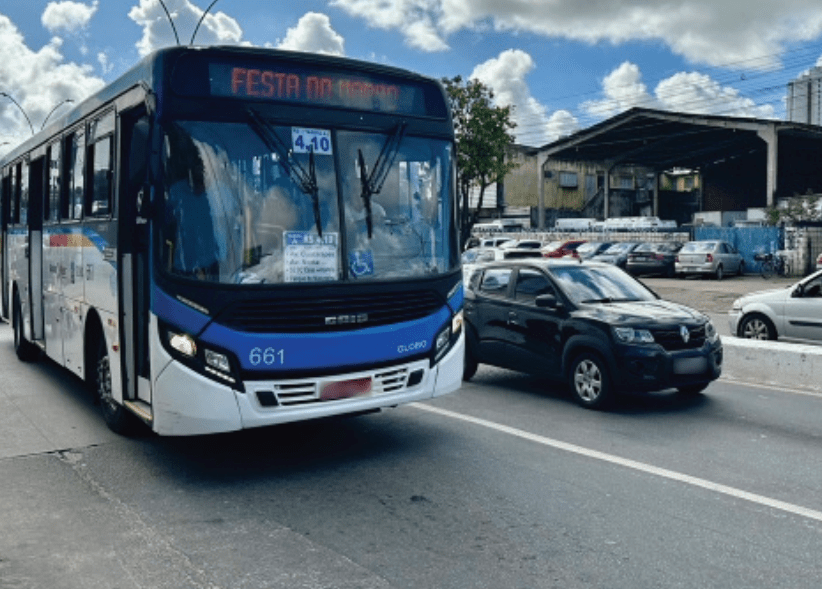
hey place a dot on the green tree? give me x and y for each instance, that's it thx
(797, 208)
(483, 133)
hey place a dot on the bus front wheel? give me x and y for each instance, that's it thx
(119, 419)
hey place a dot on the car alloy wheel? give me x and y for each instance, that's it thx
(756, 327)
(589, 381)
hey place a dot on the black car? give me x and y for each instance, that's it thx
(617, 254)
(588, 324)
(654, 258)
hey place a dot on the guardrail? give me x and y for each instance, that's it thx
(773, 363)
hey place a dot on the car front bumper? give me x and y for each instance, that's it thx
(651, 368)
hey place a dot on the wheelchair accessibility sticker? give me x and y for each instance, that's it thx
(361, 263)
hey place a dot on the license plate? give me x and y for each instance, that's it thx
(690, 365)
(345, 389)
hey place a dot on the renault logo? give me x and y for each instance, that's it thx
(686, 335)
(346, 319)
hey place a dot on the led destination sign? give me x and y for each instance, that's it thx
(285, 82)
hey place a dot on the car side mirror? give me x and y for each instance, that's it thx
(798, 291)
(548, 301)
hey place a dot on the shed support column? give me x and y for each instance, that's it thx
(655, 188)
(542, 158)
(607, 194)
(771, 139)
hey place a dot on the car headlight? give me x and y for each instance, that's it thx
(737, 306)
(629, 335)
(710, 332)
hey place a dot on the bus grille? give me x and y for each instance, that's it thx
(306, 392)
(306, 315)
(671, 339)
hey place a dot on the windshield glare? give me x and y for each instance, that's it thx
(588, 284)
(240, 207)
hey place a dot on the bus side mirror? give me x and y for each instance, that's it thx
(138, 152)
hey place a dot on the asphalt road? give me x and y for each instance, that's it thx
(505, 484)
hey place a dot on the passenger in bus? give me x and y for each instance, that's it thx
(192, 247)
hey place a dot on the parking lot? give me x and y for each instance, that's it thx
(712, 296)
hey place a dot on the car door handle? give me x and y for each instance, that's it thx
(513, 319)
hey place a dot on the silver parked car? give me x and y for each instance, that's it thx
(793, 312)
(710, 257)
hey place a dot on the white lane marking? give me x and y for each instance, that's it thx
(632, 464)
(771, 387)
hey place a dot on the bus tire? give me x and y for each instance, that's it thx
(118, 419)
(25, 350)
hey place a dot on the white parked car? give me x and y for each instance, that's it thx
(792, 312)
(710, 257)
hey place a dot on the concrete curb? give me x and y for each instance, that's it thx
(777, 364)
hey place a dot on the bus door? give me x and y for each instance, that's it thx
(132, 256)
(37, 191)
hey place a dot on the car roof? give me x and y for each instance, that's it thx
(545, 263)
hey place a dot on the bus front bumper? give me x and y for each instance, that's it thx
(187, 403)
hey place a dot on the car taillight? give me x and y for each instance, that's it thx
(709, 258)
(676, 259)
(660, 256)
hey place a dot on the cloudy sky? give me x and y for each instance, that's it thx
(563, 64)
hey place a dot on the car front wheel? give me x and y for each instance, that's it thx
(590, 382)
(757, 327)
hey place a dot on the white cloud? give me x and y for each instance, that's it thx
(38, 80)
(623, 89)
(505, 76)
(105, 63)
(68, 17)
(216, 28)
(689, 92)
(713, 32)
(314, 34)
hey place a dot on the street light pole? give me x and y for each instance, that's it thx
(56, 106)
(17, 104)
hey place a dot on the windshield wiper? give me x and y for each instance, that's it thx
(371, 185)
(306, 181)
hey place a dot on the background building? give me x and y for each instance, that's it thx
(805, 98)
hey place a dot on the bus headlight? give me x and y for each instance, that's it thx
(217, 360)
(447, 336)
(183, 343)
(216, 364)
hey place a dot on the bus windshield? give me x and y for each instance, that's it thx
(280, 204)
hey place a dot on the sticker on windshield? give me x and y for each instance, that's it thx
(361, 263)
(308, 140)
(310, 258)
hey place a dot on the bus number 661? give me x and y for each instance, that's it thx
(268, 357)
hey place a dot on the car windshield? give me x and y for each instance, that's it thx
(646, 247)
(282, 204)
(595, 284)
(699, 246)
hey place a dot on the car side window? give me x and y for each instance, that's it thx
(495, 282)
(813, 289)
(531, 284)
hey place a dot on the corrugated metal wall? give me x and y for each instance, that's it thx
(747, 240)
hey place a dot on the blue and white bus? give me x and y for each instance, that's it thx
(227, 238)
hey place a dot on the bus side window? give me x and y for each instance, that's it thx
(13, 195)
(72, 207)
(55, 174)
(23, 193)
(99, 204)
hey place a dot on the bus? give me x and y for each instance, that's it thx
(232, 237)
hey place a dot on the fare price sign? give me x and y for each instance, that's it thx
(310, 258)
